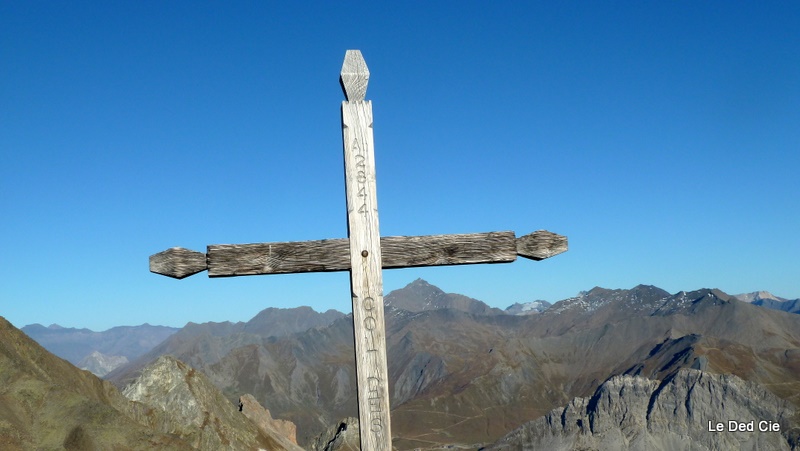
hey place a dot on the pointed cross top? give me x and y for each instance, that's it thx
(354, 76)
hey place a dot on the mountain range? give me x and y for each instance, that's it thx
(465, 375)
(98, 352)
(767, 299)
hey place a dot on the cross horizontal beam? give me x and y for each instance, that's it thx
(229, 260)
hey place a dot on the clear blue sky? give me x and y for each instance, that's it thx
(663, 138)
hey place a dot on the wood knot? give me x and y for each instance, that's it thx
(364, 253)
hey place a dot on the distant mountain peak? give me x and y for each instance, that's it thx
(420, 295)
(769, 300)
(285, 321)
(422, 285)
(758, 296)
(528, 308)
(100, 364)
(647, 299)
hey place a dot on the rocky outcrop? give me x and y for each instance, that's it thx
(196, 410)
(691, 409)
(263, 419)
(344, 436)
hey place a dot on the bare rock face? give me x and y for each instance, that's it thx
(263, 419)
(684, 411)
(197, 411)
(344, 436)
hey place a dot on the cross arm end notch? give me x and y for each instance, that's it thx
(541, 244)
(178, 262)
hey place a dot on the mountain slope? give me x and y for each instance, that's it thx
(419, 296)
(46, 403)
(199, 345)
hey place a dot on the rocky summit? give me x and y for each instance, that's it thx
(195, 410)
(420, 296)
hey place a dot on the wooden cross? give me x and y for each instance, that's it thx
(364, 253)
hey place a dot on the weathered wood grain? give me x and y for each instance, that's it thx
(230, 260)
(178, 262)
(354, 77)
(456, 249)
(366, 280)
(541, 244)
(227, 260)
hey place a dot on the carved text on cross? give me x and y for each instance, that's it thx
(364, 253)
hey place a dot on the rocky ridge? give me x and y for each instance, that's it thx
(768, 300)
(527, 308)
(635, 413)
(199, 345)
(196, 411)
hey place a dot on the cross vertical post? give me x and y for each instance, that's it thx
(366, 281)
